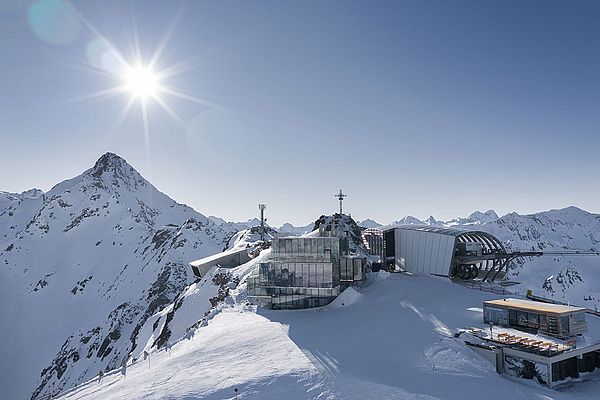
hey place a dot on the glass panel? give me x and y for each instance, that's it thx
(543, 321)
(288, 245)
(564, 324)
(306, 275)
(533, 319)
(320, 246)
(328, 275)
(357, 270)
(346, 269)
(521, 318)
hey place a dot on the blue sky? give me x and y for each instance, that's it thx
(412, 107)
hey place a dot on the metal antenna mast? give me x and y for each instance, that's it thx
(262, 208)
(340, 196)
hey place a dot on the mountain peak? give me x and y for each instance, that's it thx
(483, 217)
(369, 223)
(108, 161)
(113, 171)
(409, 220)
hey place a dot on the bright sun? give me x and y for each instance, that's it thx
(142, 82)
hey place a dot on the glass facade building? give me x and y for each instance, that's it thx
(303, 273)
(293, 284)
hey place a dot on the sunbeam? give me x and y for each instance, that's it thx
(142, 79)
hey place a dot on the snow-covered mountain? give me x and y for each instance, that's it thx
(369, 223)
(476, 218)
(572, 279)
(288, 229)
(95, 272)
(84, 266)
(408, 220)
(338, 351)
(235, 226)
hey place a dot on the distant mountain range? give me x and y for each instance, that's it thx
(86, 264)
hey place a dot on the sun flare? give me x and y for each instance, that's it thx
(142, 82)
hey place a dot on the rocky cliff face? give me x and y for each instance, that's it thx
(84, 266)
(342, 225)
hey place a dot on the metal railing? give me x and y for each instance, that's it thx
(531, 296)
(484, 286)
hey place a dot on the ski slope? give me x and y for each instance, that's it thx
(391, 339)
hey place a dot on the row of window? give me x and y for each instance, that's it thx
(318, 275)
(301, 292)
(502, 316)
(318, 245)
(295, 302)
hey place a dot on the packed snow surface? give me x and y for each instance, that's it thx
(392, 340)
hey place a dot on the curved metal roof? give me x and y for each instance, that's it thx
(429, 228)
(489, 241)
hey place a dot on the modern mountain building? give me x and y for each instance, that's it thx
(227, 259)
(452, 252)
(305, 272)
(552, 319)
(534, 340)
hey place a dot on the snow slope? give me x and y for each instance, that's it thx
(84, 266)
(393, 340)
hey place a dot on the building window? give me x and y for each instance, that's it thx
(521, 318)
(578, 317)
(533, 319)
(564, 324)
(496, 315)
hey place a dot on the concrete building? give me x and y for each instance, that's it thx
(304, 272)
(228, 259)
(547, 363)
(525, 353)
(452, 252)
(552, 319)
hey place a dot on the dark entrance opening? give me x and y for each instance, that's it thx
(589, 361)
(565, 369)
(389, 243)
